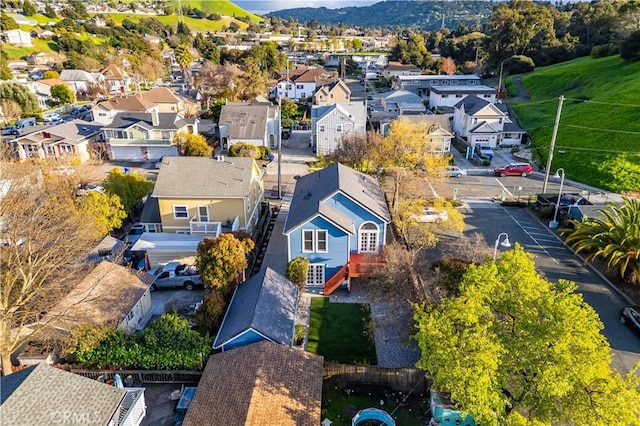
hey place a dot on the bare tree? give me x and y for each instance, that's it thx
(43, 237)
(358, 150)
(11, 110)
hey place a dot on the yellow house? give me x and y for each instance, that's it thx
(207, 196)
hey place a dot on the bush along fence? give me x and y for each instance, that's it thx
(397, 379)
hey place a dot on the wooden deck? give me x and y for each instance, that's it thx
(359, 265)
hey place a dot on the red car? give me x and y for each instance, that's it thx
(513, 169)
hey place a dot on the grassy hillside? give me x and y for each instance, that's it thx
(223, 7)
(194, 24)
(598, 140)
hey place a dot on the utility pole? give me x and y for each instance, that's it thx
(552, 146)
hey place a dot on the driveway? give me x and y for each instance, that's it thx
(181, 300)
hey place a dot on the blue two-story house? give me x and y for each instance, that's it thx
(338, 220)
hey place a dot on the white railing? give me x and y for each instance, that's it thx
(209, 228)
(236, 224)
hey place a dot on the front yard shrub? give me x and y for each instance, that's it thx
(263, 153)
(167, 344)
(298, 271)
(209, 314)
(518, 64)
(486, 162)
(298, 334)
(546, 212)
(243, 149)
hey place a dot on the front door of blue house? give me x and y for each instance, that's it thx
(368, 238)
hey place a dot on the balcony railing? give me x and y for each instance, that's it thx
(359, 265)
(209, 228)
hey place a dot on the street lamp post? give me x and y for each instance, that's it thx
(554, 223)
(504, 243)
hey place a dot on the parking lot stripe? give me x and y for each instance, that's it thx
(504, 187)
(531, 236)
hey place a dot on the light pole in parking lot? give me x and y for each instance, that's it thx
(504, 243)
(554, 223)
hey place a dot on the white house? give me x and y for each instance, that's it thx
(400, 102)
(396, 69)
(421, 84)
(17, 38)
(330, 123)
(448, 96)
(255, 123)
(81, 79)
(299, 82)
(482, 122)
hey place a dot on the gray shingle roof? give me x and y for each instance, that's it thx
(312, 190)
(266, 303)
(510, 127)
(166, 120)
(40, 395)
(195, 177)
(246, 121)
(472, 104)
(151, 211)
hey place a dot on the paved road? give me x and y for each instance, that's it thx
(556, 261)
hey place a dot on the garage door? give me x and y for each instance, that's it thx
(158, 153)
(126, 153)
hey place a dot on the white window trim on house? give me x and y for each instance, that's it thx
(315, 276)
(365, 236)
(313, 237)
(201, 216)
(176, 211)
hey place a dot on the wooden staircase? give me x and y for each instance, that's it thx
(359, 265)
(337, 280)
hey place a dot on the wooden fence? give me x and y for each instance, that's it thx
(142, 377)
(398, 379)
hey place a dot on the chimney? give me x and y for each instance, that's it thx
(155, 118)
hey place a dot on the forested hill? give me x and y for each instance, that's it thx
(416, 14)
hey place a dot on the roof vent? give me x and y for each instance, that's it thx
(307, 195)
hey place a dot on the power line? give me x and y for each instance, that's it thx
(627, 132)
(603, 103)
(597, 150)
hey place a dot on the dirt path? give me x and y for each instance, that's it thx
(522, 95)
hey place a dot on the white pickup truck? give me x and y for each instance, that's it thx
(176, 275)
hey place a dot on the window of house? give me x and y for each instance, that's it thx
(180, 212)
(173, 108)
(102, 114)
(315, 277)
(145, 135)
(203, 213)
(299, 86)
(445, 96)
(130, 316)
(321, 241)
(307, 241)
(166, 134)
(322, 127)
(339, 128)
(50, 150)
(458, 96)
(65, 149)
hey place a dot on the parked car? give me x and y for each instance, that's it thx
(453, 171)
(485, 151)
(513, 169)
(52, 117)
(431, 215)
(630, 316)
(177, 275)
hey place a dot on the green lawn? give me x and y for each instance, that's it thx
(340, 408)
(597, 141)
(337, 331)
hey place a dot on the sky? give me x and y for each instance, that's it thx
(266, 6)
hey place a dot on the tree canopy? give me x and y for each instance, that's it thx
(62, 94)
(22, 96)
(222, 260)
(131, 187)
(515, 349)
(105, 208)
(192, 145)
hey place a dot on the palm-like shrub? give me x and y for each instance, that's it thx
(614, 238)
